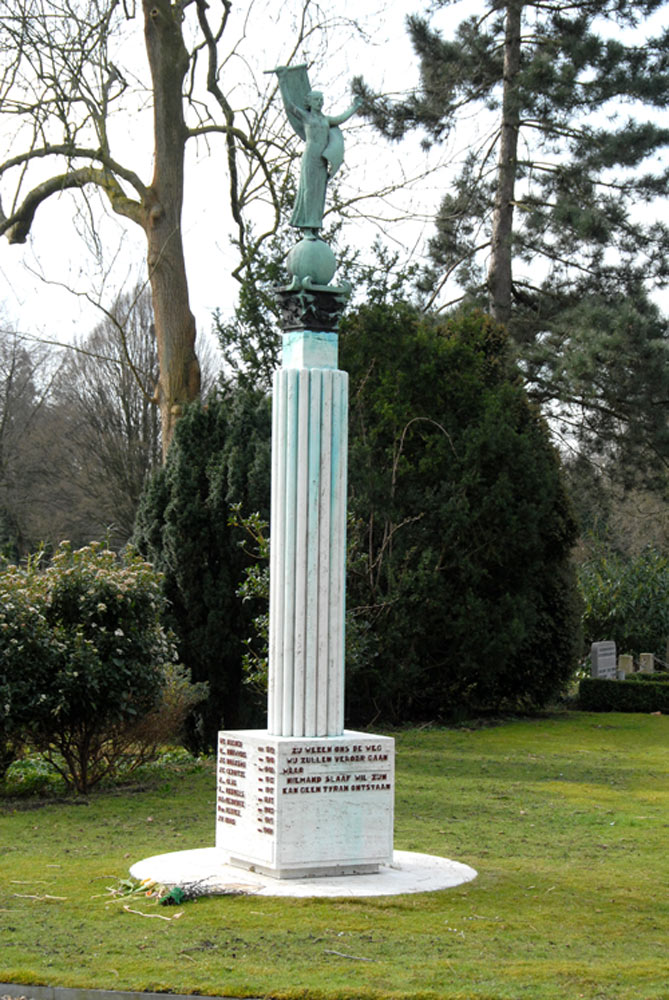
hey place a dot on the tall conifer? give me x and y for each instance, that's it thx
(552, 220)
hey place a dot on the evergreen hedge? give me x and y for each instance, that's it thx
(460, 592)
(459, 525)
(658, 675)
(219, 457)
(597, 694)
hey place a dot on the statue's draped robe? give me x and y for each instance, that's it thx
(310, 200)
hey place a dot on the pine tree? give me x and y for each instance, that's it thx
(545, 222)
(561, 195)
(601, 370)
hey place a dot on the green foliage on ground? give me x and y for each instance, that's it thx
(564, 818)
(219, 456)
(86, 667)
(460, 527)
(32, 776)
(626, 598)
(599, 694)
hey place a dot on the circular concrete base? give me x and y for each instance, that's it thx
(409, 872)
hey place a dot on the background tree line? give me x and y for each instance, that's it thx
(461, 529)
(78, 431)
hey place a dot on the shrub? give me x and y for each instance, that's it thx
(460, 529)
(659, 676)
(219, 457)
(597, 694)
(85, 663)
(33, 775)
(626, 599)
(142, 740)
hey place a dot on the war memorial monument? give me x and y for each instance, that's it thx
(305, 807)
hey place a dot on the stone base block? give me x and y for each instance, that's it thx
(305, 807)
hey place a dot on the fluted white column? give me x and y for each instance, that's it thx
(308, 539)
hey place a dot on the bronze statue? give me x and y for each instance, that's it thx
(324, 145)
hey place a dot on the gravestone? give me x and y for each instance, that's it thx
(646, 663)
(603, 659)
(625, 665)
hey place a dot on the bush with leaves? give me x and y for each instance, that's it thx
(460, 528)
(626, 599)
(219, 457)
(460, 591)
(85, 662)
(597, 694)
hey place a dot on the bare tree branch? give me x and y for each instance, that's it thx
(18, 225)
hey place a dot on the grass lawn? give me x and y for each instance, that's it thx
(566, 819)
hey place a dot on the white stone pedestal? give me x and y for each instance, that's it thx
(295, 807)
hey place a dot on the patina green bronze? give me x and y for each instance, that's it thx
(310, 302)
(324, 145)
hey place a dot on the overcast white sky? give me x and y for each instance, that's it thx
(45, 309)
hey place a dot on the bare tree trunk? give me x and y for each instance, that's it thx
(499, 273)
(179, 379)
